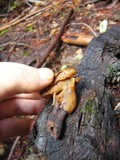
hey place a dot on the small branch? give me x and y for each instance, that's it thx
(22, 151)
(22, 19)
(13, 147)
(13, 43)
(35, 1)
(94, 33)
(20, 16)
(54, 41)
(113, 4)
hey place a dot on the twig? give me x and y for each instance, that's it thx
(3, 15)
(22, 19)
(32, 17)
(13, 147)
(22, 151)
(94, 33)
(113, 4)
(54, 41)
(13, 43)
(35, 1)
(20, 16)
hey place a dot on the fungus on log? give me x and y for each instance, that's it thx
(64, 99)
(91, 132)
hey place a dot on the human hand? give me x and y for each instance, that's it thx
(19, 95)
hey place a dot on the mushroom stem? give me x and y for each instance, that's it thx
(55, 121)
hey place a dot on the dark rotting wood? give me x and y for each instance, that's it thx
(55, 122)
(91, 132)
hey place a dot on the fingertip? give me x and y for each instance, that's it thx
(18, 78)
(46, 75)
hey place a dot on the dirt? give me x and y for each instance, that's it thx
(35, 25)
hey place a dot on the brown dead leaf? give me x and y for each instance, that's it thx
(77, 2)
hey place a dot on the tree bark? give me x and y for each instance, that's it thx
(91, 132)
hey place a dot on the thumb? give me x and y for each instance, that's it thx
(18, 78)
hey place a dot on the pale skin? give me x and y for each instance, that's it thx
(20, 87)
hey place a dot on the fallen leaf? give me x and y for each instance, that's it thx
(103, 26)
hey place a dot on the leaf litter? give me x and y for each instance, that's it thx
(28, 26)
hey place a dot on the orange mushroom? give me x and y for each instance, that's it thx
(64, 99)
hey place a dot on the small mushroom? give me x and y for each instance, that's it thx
(65, 74)
(64, 99)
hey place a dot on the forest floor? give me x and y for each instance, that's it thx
(26, 31)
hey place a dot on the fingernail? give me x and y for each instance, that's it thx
(46, 75)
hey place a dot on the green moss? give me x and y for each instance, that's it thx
(29, 28)
(77, 9)
(25, 54)
(3, 32)
(88, 107)
(14, 5)
(111, 70)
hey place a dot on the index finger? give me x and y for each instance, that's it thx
(18, 78)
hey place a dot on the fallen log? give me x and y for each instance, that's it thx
(91, 132)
